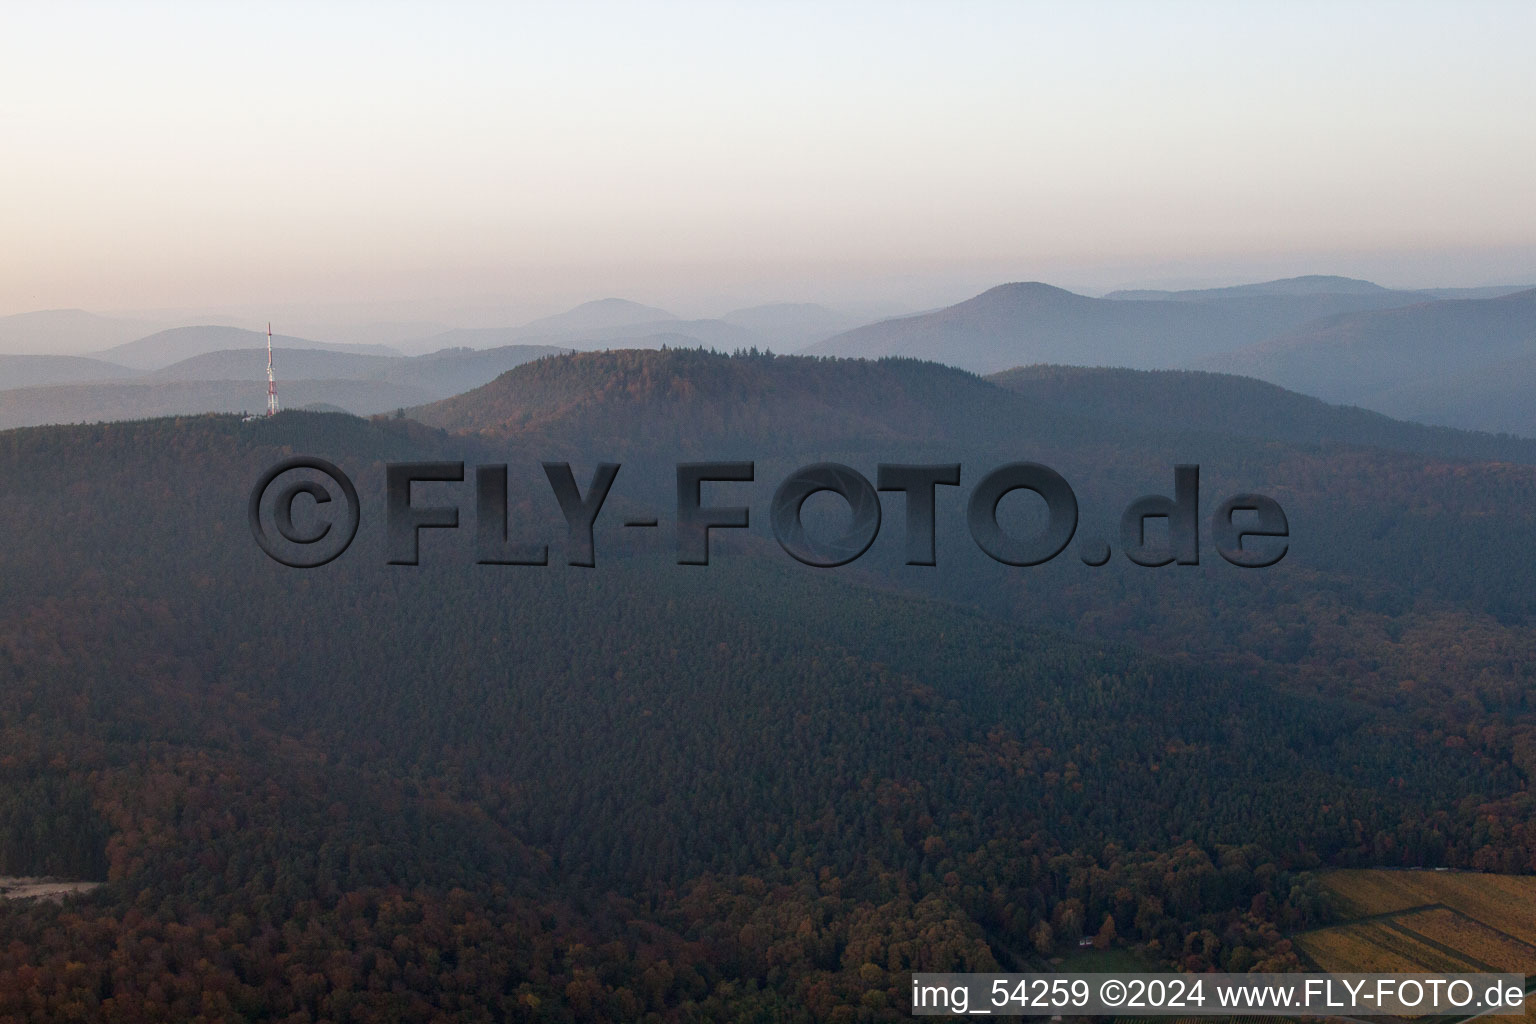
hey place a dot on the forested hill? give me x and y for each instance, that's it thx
(509, 793)
(756, 788)
(662, 398)
(1382, 513)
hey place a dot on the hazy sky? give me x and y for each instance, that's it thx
(419, 158)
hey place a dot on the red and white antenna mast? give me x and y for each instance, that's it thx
(271, 380)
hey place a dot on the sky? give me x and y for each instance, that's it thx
(469, 162)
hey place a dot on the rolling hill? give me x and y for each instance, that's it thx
(66, 332)
(138, 400)
(1498, 396)
(1320, 287)
(166, 347)
(747, 790)
(597, 315)
(1361, 357)
(654, 408)
(1478, 292)
(619, 323)
(1258, 311)
(1023, 324)
(1019, 324)
(688, 398)
(442, 373)
(24, 371)
(235, 381)
(1014, 324)
(290, 363)
(791, 326)
(1452, 362)
(1194, 401)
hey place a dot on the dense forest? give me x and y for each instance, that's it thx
(753, 791)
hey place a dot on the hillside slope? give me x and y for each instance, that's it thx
(1196, 401)
(682, 396)
(1495, 396)
(731, 791)
(1357, 356)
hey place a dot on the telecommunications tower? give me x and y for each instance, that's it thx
(271, 380)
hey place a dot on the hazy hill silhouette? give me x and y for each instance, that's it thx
(21, 371)
(289, 363)
(166, 347)
(1495, 396)
(791, 326)
(605, 323)
(1477, 292)
(235, 381)
(599, 314)
(1457, 362)
(443, 373)
(707, 333)
(1355, 357)
(1018, 324)
(1232, 406)
(139, 400)
(597, 318)
(66, 332)
(1308, 285)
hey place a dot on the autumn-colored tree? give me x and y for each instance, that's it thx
(1106, 934)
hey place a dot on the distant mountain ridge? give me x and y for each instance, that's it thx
(654, 334)
(1308, 284)
(1356, 357)
(66, 332)
(790, 326)
(1195, 401)
(1467, 360)
(1463, 362)
(138, 400)
(235, 381)
(170, 346)
(672, 400)
(620, 323)
(599, 314)
(1030, 322)
(21, 371)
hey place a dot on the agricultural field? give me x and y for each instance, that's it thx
(1428, 921)
(1504, 902)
